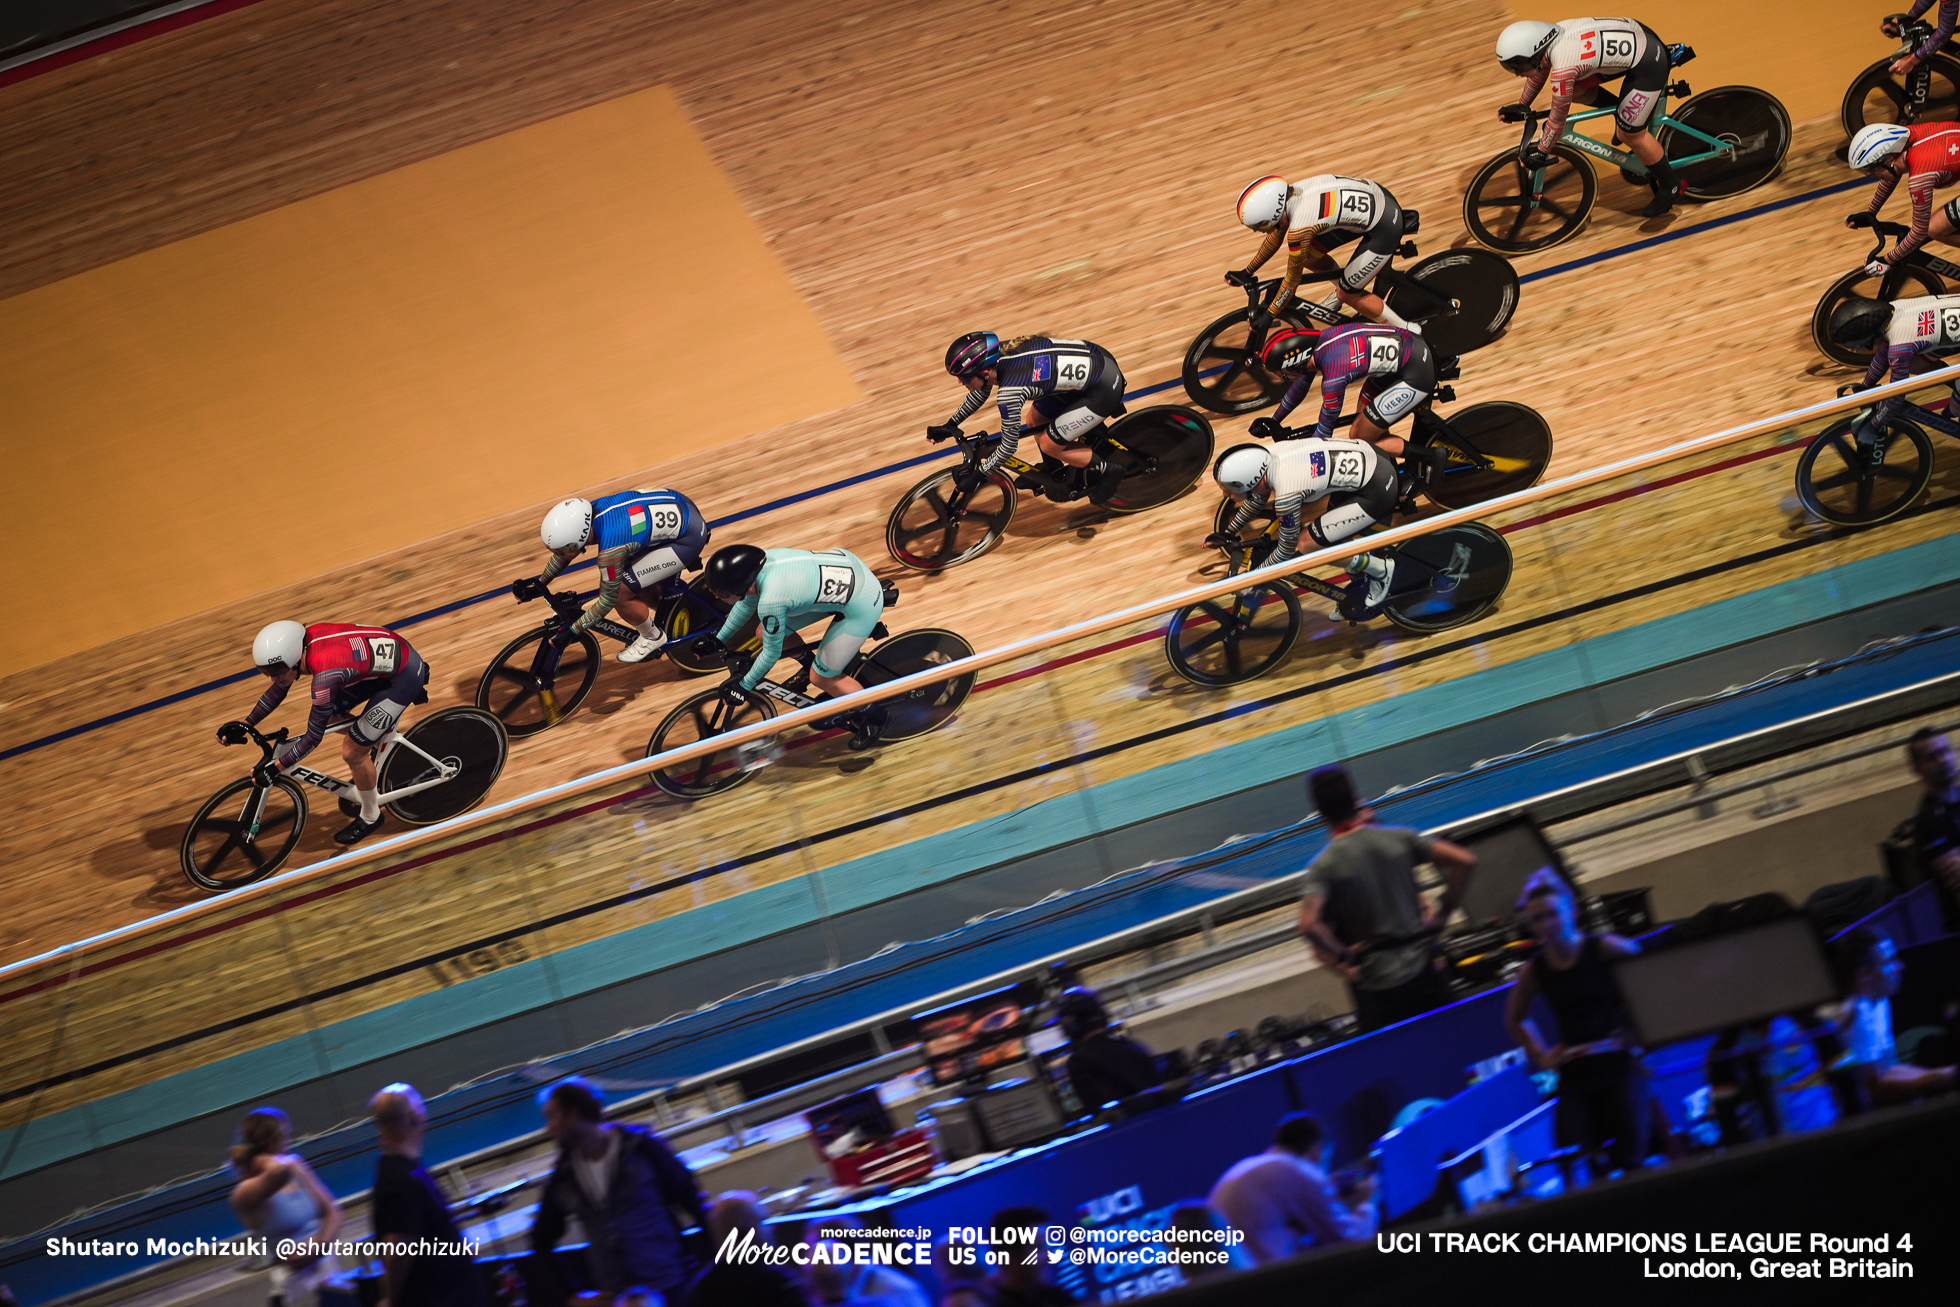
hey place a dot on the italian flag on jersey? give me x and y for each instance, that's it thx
(636, 516)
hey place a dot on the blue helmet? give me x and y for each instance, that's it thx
(976, 350)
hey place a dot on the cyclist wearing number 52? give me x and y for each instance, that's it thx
(1313, 218)
(1927, 156)
(1062, 390)
(644, 536)
(1358, 484)
(1575, 56)
(366, 672)
(784, 589)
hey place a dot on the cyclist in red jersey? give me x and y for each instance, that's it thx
(352, 666)
(1927, 157)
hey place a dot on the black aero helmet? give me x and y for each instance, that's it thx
(1856, 322)
(733, 568)
(976, 350)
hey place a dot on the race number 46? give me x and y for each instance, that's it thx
(835, 584)
(1071, 371)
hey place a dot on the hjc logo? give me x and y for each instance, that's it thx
(1101, 1211)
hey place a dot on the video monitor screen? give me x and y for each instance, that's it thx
(963, 1040)
(1727, 980)
(1507, 856)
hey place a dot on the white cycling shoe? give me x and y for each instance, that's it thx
(642, 649)
(1379, 573)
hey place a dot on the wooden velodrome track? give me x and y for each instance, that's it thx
(912, 195)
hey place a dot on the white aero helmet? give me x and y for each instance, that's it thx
(1263, 204)
(278, 647)
(1240, 468)
(1520, 44)
(568, 526)
(1875, 143)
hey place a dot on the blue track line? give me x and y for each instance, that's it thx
(805, 495)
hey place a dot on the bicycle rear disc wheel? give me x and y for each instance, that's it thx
(1910, 281)
(472, 740)
(923, 534)
(699, 718)
(1448, 578)
(1838, 486)
(928, 707)
(1752, 121)
(1223, 641)
(214, 854)
(1172, 446)
(512, 694)
(1511, 437)
(1503, 213)
(1220, 372)
(1878, 95)
(1485, 287)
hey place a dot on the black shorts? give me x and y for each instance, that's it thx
(1640, 89)
(1388, 399)
(1377, 248)
(1077, 409)
(378, 705)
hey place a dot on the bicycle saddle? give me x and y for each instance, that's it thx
(1679, 54)
(891, 594)
(1449, 367)
(1411, 221)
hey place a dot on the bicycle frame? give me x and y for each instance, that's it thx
(345, 789)
(1937, 421)
(544, 663)
(1626, 159)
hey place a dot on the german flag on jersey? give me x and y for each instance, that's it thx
(1327, 204)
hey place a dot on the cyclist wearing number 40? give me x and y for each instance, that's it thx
(1399, 372)
(1313, 218)
(352, 666)
(645, 537)
(1062, 390)
(1927, 155)
(1575, 56)
(783, 589)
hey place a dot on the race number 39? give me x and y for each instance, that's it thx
(666, 518)
(835, 584)
(384, 652)
(1071, 371)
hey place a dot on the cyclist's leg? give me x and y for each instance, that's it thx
(384, 709)
(1387, 400)
(1640, 94)
(1370, 259)
(840, 645)
(1347, 515)
(1945, 223)
(645, 576)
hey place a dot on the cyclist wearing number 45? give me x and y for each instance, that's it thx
(783, 589)
(1575, 56)
(1927, 156)
(1312, 218)
(352, 666)
(645, 537)
(1062, 390)
(1358, 484)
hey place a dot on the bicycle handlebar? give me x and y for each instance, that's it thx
(267, 743)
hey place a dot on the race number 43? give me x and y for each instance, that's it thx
(835, 584)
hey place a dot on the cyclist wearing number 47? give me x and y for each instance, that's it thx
(352, 666)
(1575, 56)
(783, 589)
(645, 537)
(1062, 390)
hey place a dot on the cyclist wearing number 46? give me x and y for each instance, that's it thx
(1575, 56)
(1927, 156)
(1062, 390)
(783, 589)
(1312, 218)
(352, 666)
(645, 537)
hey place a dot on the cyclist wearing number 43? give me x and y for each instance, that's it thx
(352, 666)
(1575, 56)
(1358, 484)
(645, 537)
(1062, 390)
(1927, 155)
(784, 589)
(1313, 218)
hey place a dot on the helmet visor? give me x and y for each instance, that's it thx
(1518, 64)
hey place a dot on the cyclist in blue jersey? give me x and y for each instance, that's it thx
(644, 537)
(1062, 390)
(784, 589)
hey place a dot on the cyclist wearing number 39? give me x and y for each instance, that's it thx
(352, 666)
(645, 537)
(784, 589)
(1358, 484)
(1313, 218)
(1927, 156)
(1062, 390)
(1575, 56)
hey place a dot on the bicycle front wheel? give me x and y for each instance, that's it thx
(930, 706)
(1495, 448)
(242, 834)
(701, 718)
(924, 533)
(1261, 524)
(1171, 448)
(1231, 638)
(1751, 121)
(1448, 578)
(1840, 486)
(514, 694)
(471, 740)
(1879, 95)
(1485, 288)
(1514, 211)
(1900, 283)
(1221, 371)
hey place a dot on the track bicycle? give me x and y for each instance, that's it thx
(440, 767)
(1919, 273)
(1845, 483)
(1463, 298)
(1929, 93)
(707, 714)
(1722, 142)
(935, 525)
(533, 684)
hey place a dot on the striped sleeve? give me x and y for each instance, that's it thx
(1882, 192)
(1333, 391)
(1269, 243)
(1289, 509)
(1942, 30)
(1254, 503)
(1920, 187)
(1294, 394)
(970, 405)
(1012, 400)
(275, 694)
(320, 716)
(555, 565)
(612, 566)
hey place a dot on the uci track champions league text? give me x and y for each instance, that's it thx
(1649, 1256)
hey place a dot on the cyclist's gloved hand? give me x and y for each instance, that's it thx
(233, 733)
(968, 479)
(1241, 278)
(527, 588)
(732, 692)
(263, 774)
(1267, 428)
(561, 635)
(1877, 268)
(1862, 218)
(944, 431)
(1220, 540)
(1513, 112)
(1534, 158)
(1851, 388)
(709, 646)
(1260, 321)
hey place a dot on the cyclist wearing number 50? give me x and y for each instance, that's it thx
(1062, 390)
(784, 589)
(352, 666)
(1398, 371)
(1313, 218)
(1358, 484)
(644, 536)
(1927, 155)
(1575, 56)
